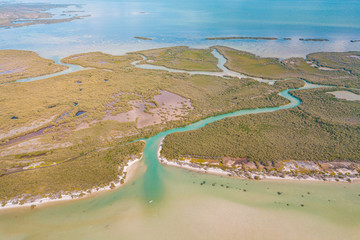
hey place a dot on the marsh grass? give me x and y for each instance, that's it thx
(183, 58)
(345, 68)
(96, 169)
(19, 64)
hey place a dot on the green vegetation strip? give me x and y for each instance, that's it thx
(19, 64)
(183, 58)
(339, 69)
(97, 169)
(283, 135)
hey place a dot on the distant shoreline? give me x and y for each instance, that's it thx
(271, 39)
(241, 38)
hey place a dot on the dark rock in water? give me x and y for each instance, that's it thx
(279, 193)
(14, 117)
(287, 39)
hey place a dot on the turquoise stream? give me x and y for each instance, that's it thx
(152, 182)
(163, 202)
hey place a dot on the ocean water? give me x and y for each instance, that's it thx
(114, 23)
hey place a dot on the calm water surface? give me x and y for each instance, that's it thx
(114, 23)
(181, 208)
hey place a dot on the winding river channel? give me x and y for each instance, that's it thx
(163, 202)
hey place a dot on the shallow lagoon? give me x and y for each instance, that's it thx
(187, 210)
(114, 23)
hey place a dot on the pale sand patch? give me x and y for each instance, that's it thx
(355, 56)
(32, 126)
(170, 107)
(31, 145)
(346, 95)
(83, 125)
(327, 69)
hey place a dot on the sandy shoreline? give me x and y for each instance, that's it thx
(128, 173)
(262, 176)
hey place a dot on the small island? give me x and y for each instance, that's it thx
(357, 40)
(143, 38)
(314, 39)
(241, 38)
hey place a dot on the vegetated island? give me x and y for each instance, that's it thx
(241, 38)
(77, 127)
(327, 68)
(143, 38)
(314, 39)
(26, 14)
(183, 58)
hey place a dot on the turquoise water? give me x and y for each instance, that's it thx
(152, 183)
(71, 68)
(114, 23)
(170, 203)
(181, 208)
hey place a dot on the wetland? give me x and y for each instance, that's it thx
(107, 135)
